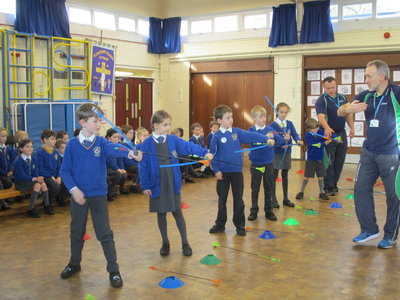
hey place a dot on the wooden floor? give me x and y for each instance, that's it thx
(318, 258)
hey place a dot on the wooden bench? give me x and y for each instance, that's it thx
(12, 193)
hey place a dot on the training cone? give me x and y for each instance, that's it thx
(171, 282)
(86, 237)
(335, 205)
(210, 260)
(350, 196)
(291, 222)
(278, 179)
(185, 205)
(300, 172)
(90, 297)
(312, 198)
(267, 235)
(349, 179)
(310, 212)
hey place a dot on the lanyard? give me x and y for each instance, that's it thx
(337, 104)
(376, 108)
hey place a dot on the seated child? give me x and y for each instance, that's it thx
(184, 169)
(315, 157)
(214, 126)
(62, 135)
(64, 193)
(26, 176)
(7, 157)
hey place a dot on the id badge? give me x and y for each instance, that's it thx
(374, 123)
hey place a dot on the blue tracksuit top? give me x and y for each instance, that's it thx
(149, 166)
(49, 163)
(6, 161)
(86, 168)
(276, 125)
(199, 141)
(224, 145)
(315, 152)
(24, 172)
(264, 155)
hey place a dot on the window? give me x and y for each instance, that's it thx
(126, 24)
(80, 16)
(104, 20)
(184, 28)
(143, 27)
(387, 8)
(357, 11)
(255, 21)
(334, 13)
(203, 26)
(8, 7)
(226, 23)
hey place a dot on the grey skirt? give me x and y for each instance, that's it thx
(24, 186)
(285, 164)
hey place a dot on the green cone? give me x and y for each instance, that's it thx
(291, 222)
(350, 196)
(311, 212)
(210, 260)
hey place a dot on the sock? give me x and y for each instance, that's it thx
(32, 200)
(181, 224)
(45, 196)
(303, 187)
(321, 185)
(285, 183)
(162, 225)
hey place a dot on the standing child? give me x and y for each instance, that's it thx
(163, 185)
(214, 126)
(315, 157)
(283, 155)
(224, 143)
(261, 163)
(27, 178)
(85, 175)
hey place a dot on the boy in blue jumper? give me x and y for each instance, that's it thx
(214, 126)
(84, 173)
(315, 157)
(7, 156)
(224, 143)
(196, 137)
(49, 163)
(261, 163)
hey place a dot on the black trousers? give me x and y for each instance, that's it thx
(53, 187)
(234, 179)
(6, 182)
(337, 156)
(267, 178)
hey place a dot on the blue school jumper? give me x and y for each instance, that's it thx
(85, 167)
(49, 163)
(209, 138)
(315, 152)
(25, 172)
(198, 141)
(277, 126)
(149, 166)
(7, 157)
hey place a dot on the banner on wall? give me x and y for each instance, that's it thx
(103, 64)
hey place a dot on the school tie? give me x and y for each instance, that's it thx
(28, 161)
(3, 150)
(86, 143)
(160, 139)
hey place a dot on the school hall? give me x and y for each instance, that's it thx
(277, 65)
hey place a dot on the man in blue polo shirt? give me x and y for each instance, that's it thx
(379, 154)
(326, 107)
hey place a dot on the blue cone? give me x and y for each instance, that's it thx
(267, 235)
(171, 282)
(335, 205)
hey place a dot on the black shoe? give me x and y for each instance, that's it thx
(241, 231)
(335, 189)
(216, 229)
(187, 251)
(69, 271)
(5, 206)
(275, 204)
(252, 217)
(189, 180)
(300, 195)
(330, 192)
(48, 210)
(271, 216)
(124, 191)
(323, 196)
(116, 280)
(114, 194)
(33, 213)
(287, 202)
(164, 251)
(110, 198)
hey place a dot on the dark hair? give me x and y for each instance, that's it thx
(61, 134)
(125, 128)
(87, 110)
(282, 104)
(213, 122)
(181, 131)
(158, 117)
(220, 111)
(76, 132)
(195, 125)
(23, 142)
(47, 133)
(310, 123)
(110, 132)
(328, 79)
(60, 142)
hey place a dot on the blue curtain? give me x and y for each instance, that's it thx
(284, 27)
(165, 35)
(43, 17)
(317, 25)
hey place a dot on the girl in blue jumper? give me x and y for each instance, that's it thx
(315, 157)
(26, 176)
(163, 185)
(283, 155)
